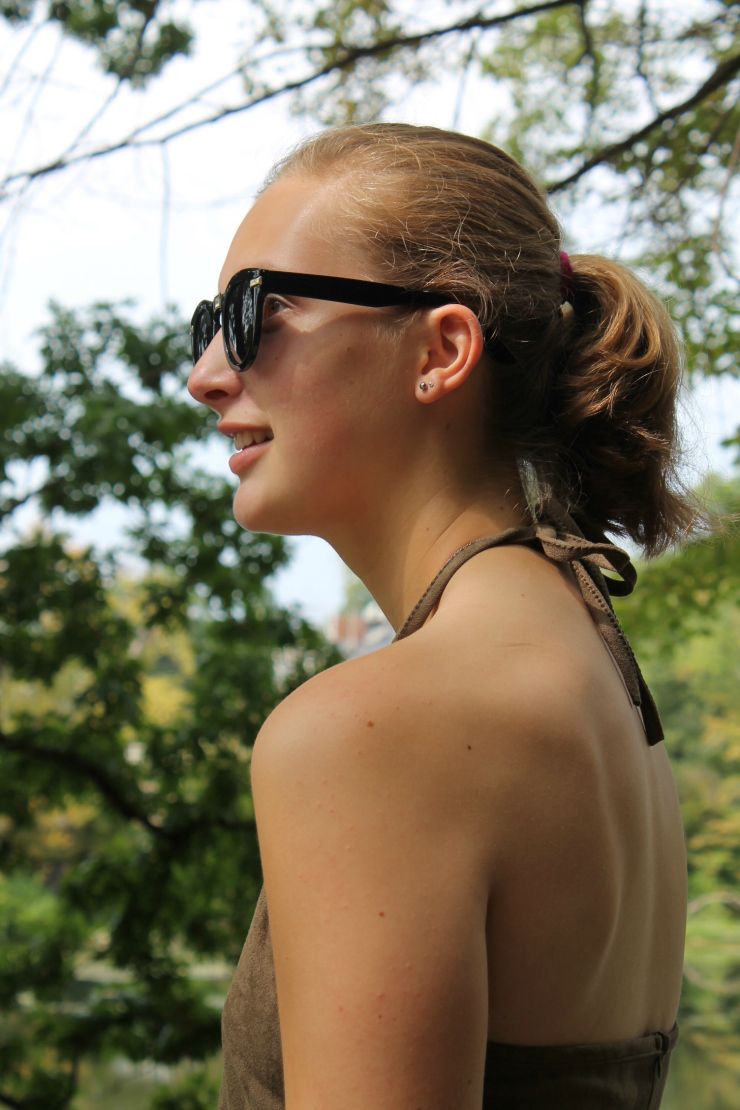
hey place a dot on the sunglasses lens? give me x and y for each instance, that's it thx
(239, 325)
(202, 331)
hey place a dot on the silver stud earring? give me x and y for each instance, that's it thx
(423, 386)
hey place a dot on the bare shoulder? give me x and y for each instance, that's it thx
(377, 910)
(351, 720)
(499, 668)
(424, 741)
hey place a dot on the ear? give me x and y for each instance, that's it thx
(454, 345)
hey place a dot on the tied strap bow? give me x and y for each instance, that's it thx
(559, 538)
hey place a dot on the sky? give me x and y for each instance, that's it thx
(155, 228)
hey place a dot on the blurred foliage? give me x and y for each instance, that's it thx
(582, 79)
(133, 39)
(194, 1093)
(356, 594)
(682, 593)
(133, 685)
(684, 622)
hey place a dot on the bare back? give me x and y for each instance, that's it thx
(574, 815)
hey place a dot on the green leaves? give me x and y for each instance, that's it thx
(134, 39)
(683, 592)
(683, 622)
(96, 439)
(53, 608)
(196, 1092)
(638, 119)
(16, 11)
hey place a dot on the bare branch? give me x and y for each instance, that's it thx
(30, 38)
(94, 118)
(722, 75)
(345, 61)
(640, 67)
(732, 166)
(589, 51)
(282, 52)
(463, 81)
(40, 86)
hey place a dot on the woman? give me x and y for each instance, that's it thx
(471, 841)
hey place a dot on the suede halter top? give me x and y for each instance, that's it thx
(621, 1075)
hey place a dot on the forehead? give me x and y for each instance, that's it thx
(292, 226)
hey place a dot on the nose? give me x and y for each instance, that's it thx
(212, 381)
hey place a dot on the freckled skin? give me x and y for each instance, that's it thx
(535, 894)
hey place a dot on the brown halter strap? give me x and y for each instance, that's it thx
(558, 537)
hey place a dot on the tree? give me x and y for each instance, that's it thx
(129, 851)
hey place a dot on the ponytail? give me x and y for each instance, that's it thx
(613, 403)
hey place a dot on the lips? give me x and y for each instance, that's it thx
(250, 443)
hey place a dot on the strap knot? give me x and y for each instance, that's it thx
(560, 539)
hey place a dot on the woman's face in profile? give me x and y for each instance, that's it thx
(331, 386)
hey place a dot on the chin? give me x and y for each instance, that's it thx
(285, 515)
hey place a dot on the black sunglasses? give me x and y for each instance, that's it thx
(238, 310)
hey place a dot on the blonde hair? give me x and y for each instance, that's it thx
(589, 404)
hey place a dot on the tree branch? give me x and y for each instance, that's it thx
(41, 83)
(722, 75)
(463, 82)
(640, 67)
(11, 71)
(711, 137)
(117, 799)
(13, 1103)
(196, 97)
(589, 51)
(732, 166)
(345, 61)
(89, 770)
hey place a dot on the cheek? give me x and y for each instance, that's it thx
(337, 411)
(340, 401)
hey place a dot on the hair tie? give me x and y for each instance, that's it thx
(567, 279)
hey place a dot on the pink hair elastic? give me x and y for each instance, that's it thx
(567, 279)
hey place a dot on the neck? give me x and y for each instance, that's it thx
(413, 533)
